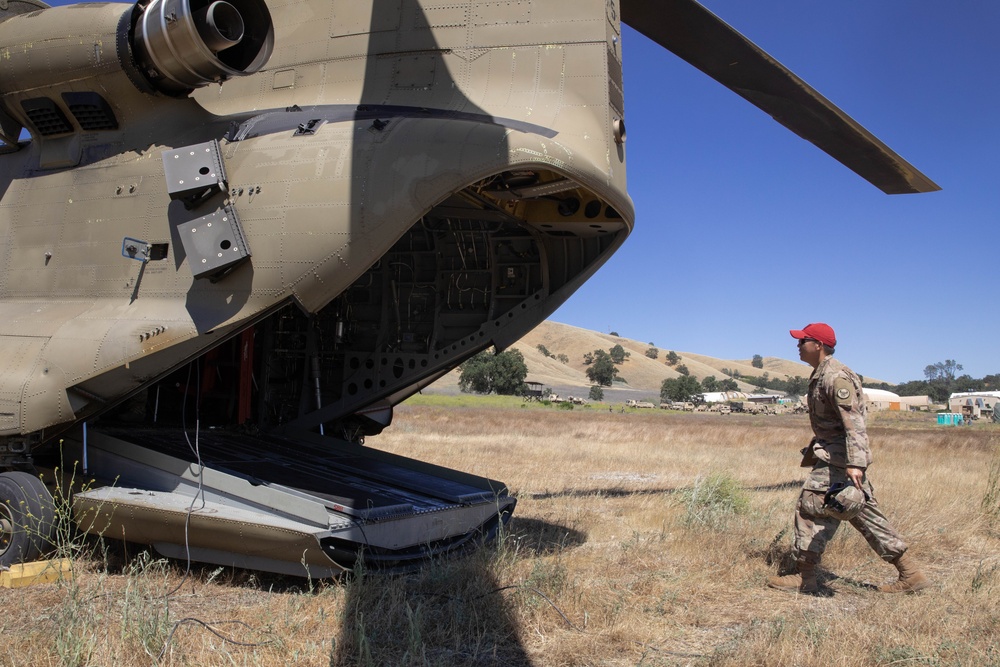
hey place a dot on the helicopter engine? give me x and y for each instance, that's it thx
(181, 45)
(111, 59)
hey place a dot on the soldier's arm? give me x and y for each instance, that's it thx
(847, 399)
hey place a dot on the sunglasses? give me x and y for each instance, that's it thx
(806, 340)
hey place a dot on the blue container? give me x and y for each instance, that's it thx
(949, 419)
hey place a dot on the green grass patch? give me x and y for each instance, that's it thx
(467, 401)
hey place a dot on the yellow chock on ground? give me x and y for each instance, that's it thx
(40, 572)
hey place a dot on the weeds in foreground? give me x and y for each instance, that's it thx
(991, 498)
(81, 623)
(145, 610)
(74, 632)
(983, 577)
(712, 501)
(67, 539)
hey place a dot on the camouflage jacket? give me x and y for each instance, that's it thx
(837, 413)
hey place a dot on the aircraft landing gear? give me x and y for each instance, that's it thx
(27, 518)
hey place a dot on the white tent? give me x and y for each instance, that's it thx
(880, 399)
(723, 396)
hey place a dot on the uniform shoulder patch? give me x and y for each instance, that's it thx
(843, 391)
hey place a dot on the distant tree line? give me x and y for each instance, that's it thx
(941, 380)
(794, 386)
(504, 373)
(710, 384)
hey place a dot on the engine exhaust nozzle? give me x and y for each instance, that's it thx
(181, 44)
(220, 25)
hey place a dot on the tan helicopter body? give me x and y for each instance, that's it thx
(282, 219)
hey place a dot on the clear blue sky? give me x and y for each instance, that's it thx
(743, 230)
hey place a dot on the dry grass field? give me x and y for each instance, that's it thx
(639, 539)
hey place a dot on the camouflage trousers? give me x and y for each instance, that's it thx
(813, 529)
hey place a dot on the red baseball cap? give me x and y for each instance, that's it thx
(817, 331)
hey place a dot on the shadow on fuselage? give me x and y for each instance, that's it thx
(450, 611)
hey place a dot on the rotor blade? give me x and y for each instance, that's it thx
(704, 40)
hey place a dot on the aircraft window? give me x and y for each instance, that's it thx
(11, 132)
(91, 111)
(10, 144)
(47, 118)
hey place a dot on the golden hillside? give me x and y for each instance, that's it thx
(641, 373)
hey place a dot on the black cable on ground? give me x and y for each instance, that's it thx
(208, 626)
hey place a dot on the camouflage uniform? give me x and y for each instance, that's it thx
(837, 414)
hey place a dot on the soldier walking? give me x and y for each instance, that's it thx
(837, 488)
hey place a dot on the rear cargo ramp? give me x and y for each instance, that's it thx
(305, 506)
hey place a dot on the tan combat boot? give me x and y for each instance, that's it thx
(803, 581)
(911, 577)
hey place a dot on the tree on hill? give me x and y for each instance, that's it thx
(683, 370)
(603, 371)
(618, 354)
(679, 389)
(562, 358)
(709, 383)
(758, 361)
(596, 393)
(544, 350)
(501, 373)
(672, 358)
(652, 353)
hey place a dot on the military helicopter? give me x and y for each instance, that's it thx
(236, 233)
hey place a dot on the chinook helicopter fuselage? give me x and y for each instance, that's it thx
(281, 219)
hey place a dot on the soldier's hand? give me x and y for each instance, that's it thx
(856, 475)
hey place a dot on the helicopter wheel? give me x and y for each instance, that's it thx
(27, 518)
